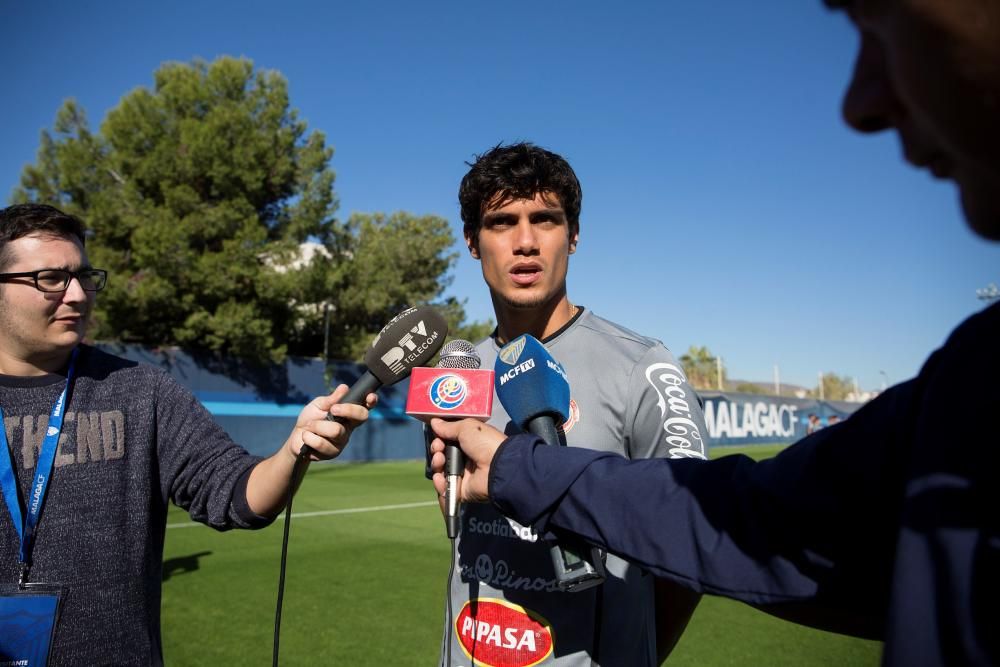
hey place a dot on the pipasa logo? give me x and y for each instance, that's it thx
(495, 633)
(448, 392)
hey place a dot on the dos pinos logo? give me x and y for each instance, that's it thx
(448, 392)
(495, 633)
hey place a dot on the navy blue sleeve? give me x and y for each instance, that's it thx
(809, 524)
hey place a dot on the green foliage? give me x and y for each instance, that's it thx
(198, 195)
(396, 260)
(700, 366)
(835, 387)
(750, 388)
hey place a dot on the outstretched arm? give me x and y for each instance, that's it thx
(271, 479)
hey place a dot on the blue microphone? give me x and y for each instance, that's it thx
(532, 387)
(534, 390)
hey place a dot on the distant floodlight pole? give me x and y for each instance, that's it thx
(989, 293)
(718, 371)
(821, 395)
(326, 332)
(777, 381)
(885, 380)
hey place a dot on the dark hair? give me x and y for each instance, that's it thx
(25, 219)
(517, 171)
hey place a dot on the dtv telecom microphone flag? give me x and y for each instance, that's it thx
(409, 340)
(457, 388)
(534, 390)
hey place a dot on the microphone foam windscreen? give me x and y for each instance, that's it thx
(409, 340)
(530, 383)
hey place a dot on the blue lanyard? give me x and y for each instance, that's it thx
(46, 457)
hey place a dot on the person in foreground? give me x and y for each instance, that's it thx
(116, 442)
(883, 526)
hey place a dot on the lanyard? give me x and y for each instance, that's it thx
(46, 457)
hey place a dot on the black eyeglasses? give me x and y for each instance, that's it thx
(57, 280)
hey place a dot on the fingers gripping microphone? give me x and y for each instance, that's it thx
(455, 389)
(534, 390)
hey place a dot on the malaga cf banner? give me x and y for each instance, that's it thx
(749, 419)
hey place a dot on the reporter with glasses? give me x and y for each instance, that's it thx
(94, 447)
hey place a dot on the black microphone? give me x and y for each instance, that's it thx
(462, 355)
(409, 340)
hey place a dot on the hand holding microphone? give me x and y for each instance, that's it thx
(316, 431)
(409, 340)
(534, 390)
(457, 388)
(479, 443)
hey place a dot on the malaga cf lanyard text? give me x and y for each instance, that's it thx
(27, 525)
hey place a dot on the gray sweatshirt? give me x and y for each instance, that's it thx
(132, 440)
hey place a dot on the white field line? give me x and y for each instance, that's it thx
(348, 510)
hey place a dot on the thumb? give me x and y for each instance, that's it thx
(446, 430)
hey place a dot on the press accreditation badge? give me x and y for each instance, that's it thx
(28, 619)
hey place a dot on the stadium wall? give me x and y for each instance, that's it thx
(748, 419)
(258, 404)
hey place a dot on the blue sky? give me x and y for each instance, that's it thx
(725, 202)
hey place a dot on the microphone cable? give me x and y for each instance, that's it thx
(448, 636)
(301, 461)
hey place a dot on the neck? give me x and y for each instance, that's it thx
(11, 364)
(540, 322)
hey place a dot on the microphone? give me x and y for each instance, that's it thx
(534, 390)
(410, 339)
(455, 389)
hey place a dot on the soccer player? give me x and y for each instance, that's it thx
(521, 209)
(885, 525)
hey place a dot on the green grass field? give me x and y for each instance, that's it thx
(365, 586)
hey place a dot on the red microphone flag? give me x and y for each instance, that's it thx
(450, 393)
